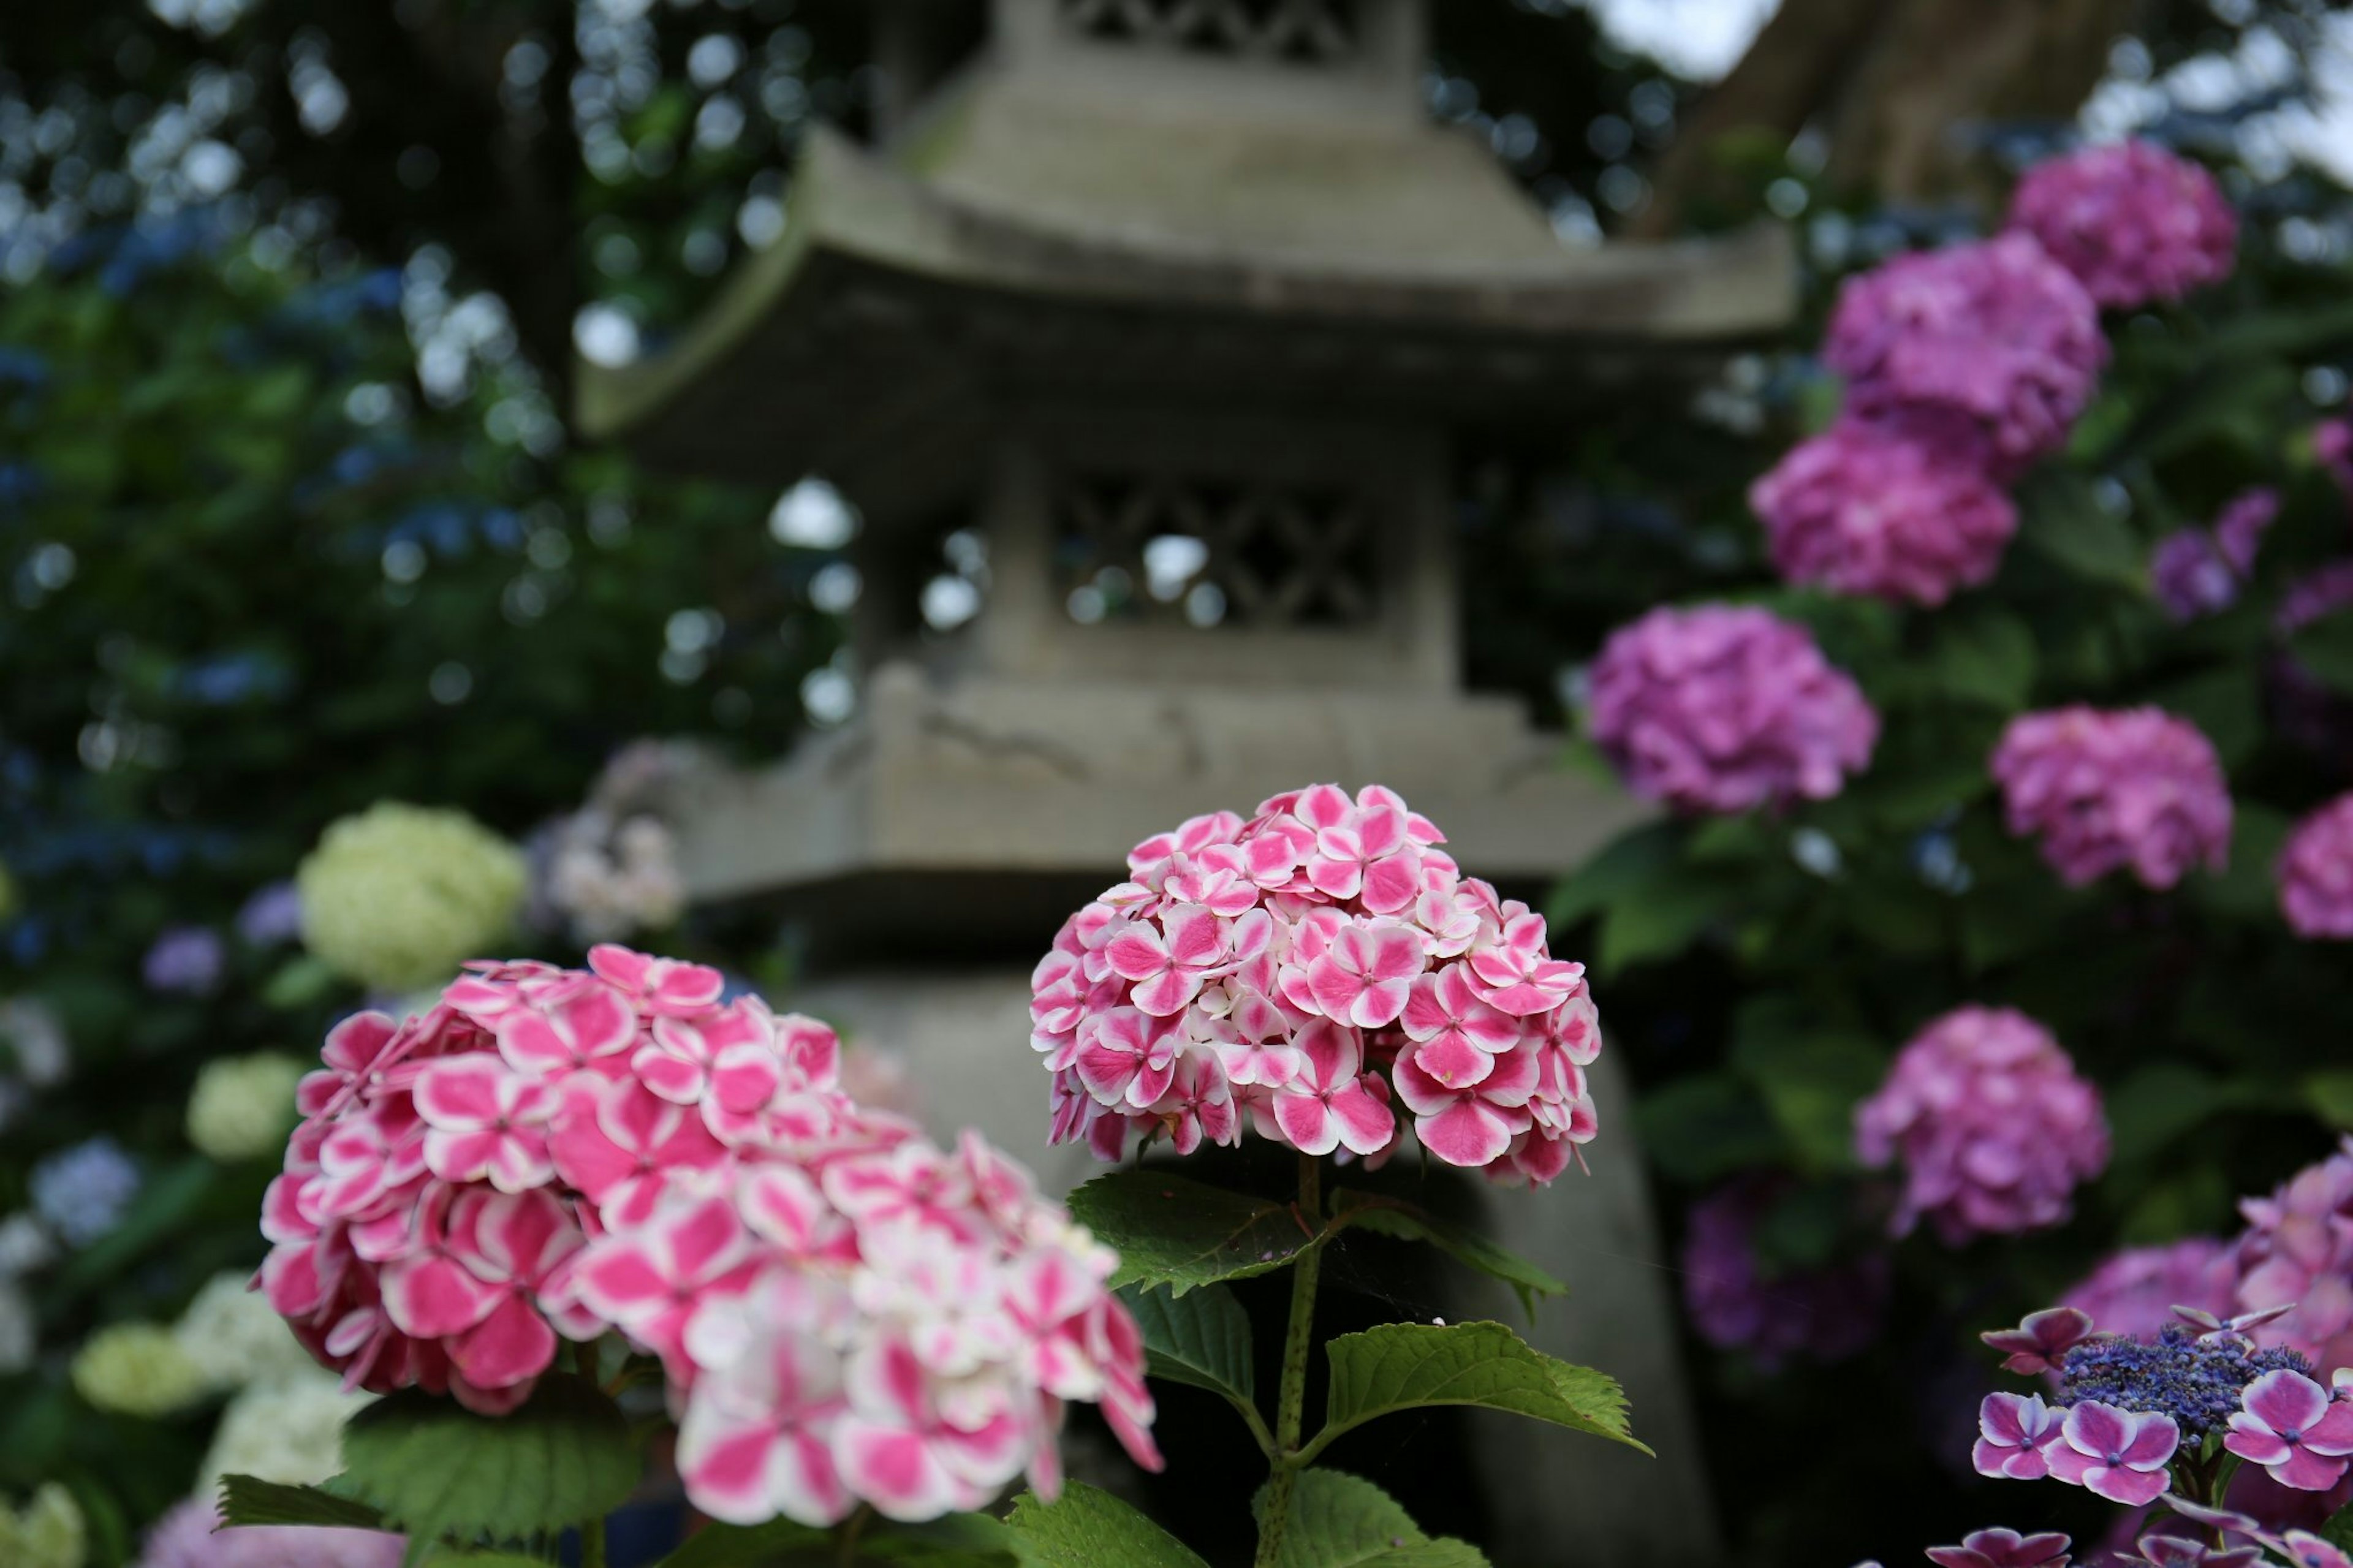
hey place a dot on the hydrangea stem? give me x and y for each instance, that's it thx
(592, 1544)
(1290, 1405)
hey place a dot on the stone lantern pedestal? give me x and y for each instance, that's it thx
(1176, 308)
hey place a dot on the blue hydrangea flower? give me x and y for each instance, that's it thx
(82, 1191)
(184, 961)
(2196, 1381)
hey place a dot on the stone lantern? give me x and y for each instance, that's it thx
(1173, 310)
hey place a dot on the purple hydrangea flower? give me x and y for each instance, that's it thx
(82, 1191)
(2315, 873)
(184, 961)
(1992, 1126)
(2105, 789)
(1861, 509)
(2298, 1251)
(2133, 222)
(1717, 708)
(2200, 571)
(1822, 1314)
(2193, 1381)
(2133, 1292)
(2003, 1549)
(189, 1537)
(2240, 526)
(2332, 443)
(272, 916)
(1992, 347)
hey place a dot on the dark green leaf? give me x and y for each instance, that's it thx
(2246, 888)
(1705, 1126)
(164, 1206)
(1201, 1338)
(1625, 868)
(2225, 704)
(957, 1540)
(436, 1468)
(1182, 1234)
(1809, 1074)
(2065, 523)
(2331, 1095)
(1409, 1366)
(747, 1546)
(1091, 1529)
(1340, 1521)
(246, 1501)
(1666, 918)
(1985, 656)
(2326, 648)
(1390, 1216)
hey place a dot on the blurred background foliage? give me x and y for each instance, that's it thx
(291, 523)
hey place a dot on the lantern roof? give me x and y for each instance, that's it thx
(1096, 204)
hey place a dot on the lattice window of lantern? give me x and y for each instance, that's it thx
(1177, 552)
(1298, 32)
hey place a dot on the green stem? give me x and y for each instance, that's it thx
(1290, 1406)
(592, 1544)
(852, 1529)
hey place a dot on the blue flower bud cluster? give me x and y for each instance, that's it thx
(2197, 1382)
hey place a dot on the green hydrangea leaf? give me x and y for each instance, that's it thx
(958, 1541)
(246, 1499)
(747, 1546)
(1091, 1529)
(1183, 1234)
(1388, 1216)
(1408, 1366)
(1338, 1520)
(1202, 1337)
(437, 1469)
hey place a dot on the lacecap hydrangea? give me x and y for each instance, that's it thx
(395, 897)
(1721, 708)
(2133, 1292)
(1322, 972)
(1992, 1126)
(844, 1313)
(2115, 789)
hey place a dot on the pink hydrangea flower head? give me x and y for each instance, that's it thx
(2115, 788)
(2297, 1252)
(2120, 1455)
(2289, 1424)
(2003, 1549)
(2040, 1341)
(2332, 446)
(1865, 508)
(2133, 1292)
(1718, 709)
(1990, 346)
(568, 1154)
(1823, 1314)
(2015, 1434)
(2315, 873)
(1319, 973)
(1992, 1126)
(2134, 223)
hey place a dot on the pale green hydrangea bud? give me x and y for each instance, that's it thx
(399, 896)
(237, 1338)
(243, 1107)
(137, 1369)
(47, 1533)
(289, 1432)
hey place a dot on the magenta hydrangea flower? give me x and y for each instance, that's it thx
(2133, 1291)
(1324, 974)
(1992, 1126)
(845, 1312)
(190, 1537)
(2289, 1424)
(1990, 347)
(1724, 708)
(2200, 570)
(2040, 1341)
(2332, 446)
(2315, 873)
(2115, 788)
(1821, 1314)
(2134, 223)
(2003, 1549)
(1861, 509)
(2120, 1455)
(2297, 1252)
(2015, 1434)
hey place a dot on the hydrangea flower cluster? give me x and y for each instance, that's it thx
(2315, 873)
(1990, 348)
(1822, 1314)
(1724, 708)
(2332, 446)
(844, 1311)
(243, 1107)
(2297, 1254)
(396, 896)
(611, 868)
(1993, 1127)
(1324, 972)
(2133, 1292)
(2200, 572)
(2133, 222)
(1859, 510)
(2106, 789)
(2197, 1381)
(191, 1536)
